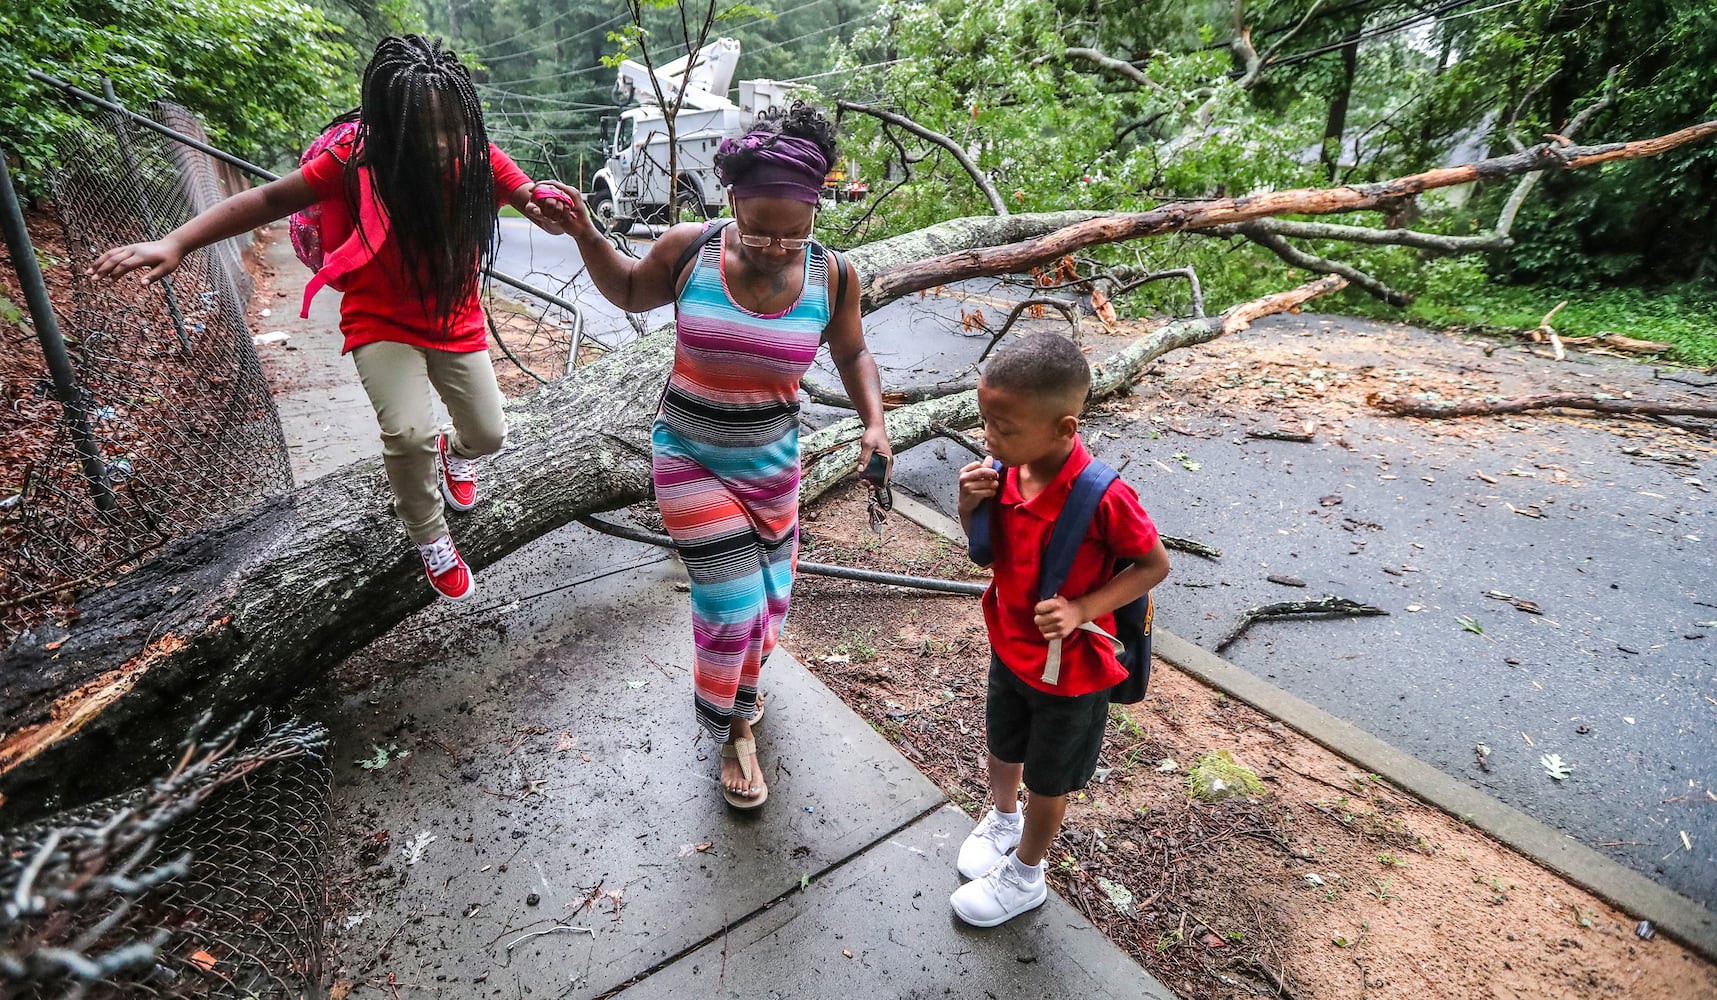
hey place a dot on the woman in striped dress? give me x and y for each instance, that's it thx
(752, 307)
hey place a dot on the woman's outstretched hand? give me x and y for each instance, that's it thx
(568, 211)
(159, 257)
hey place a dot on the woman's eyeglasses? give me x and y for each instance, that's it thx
(787, 242)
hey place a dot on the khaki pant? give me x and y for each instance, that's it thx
(398, 378)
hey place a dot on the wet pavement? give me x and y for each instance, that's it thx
(523, 805)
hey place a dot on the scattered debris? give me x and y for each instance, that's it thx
(1314, 880)
(1119, 895)
(1333, 500)
(1555, 766)
(1186, 461)
(1645, 931)
(1470, 624)
(1481, 753)
(413, 852)
(1301, 437)
(1167, 765)
(1285, 581)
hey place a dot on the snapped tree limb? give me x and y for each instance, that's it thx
(889, 283)
(1438, 409)
(1324, 606)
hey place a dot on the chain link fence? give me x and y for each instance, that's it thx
(167, 378)
(210, 883)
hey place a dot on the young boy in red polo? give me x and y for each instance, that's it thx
(1050, 673)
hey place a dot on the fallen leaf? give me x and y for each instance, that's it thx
(205, 961)
(1527, 606)
(1333, 500)
(1556, 767)
(1167, 764)
(341, 989)
(1489, 479)
(564, 743)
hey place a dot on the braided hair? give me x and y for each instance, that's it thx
(421, 134)
(800, 120)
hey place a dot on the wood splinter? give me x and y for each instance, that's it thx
(1326, 605)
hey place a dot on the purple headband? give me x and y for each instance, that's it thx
(786, 167)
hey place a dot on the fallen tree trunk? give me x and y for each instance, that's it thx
(262, 605)
(1406, 406)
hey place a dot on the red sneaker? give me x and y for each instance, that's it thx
(448, 573)
(458, 477)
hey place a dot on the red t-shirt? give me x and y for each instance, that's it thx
(380, 302)
(1120, 532)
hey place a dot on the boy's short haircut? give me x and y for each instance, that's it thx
(1044, 365)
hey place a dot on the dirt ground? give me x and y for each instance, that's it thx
(1333, 884)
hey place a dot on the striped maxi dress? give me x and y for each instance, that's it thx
(726, 471)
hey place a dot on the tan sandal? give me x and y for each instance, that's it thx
(742, 751)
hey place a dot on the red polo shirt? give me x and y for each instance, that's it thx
(1120, 532)
(380, 302)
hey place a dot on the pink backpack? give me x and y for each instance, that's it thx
(324, 236)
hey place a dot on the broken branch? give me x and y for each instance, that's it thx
(1326, 605)
(995, 199)
(1403, 406)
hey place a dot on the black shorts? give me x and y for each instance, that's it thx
(1057, 738)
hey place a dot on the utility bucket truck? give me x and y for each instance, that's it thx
(633, 184)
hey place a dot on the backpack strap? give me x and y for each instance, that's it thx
(711, 230)
(1071, 526)
(980, 542)
(356, 251)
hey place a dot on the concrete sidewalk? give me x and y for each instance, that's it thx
(557, 830)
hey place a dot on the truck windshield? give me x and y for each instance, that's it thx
(623, 136)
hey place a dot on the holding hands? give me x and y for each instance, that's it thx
(562, 208)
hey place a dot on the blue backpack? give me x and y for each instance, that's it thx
(1132, 620)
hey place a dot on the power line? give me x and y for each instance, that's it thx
(558, 102)
(552, 43)
(1434, 15)
(849, 69)
(534, 28)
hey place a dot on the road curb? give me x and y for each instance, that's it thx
(1671, 913)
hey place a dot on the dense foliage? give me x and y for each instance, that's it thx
(257, 71)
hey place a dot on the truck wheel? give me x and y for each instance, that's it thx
(602, 213)
(687, 200)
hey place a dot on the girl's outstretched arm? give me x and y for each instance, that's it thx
(239, 214)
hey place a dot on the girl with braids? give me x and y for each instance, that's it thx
(753, 300)
(421, 182)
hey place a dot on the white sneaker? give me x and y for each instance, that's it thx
(1002, 894)
(990, 842)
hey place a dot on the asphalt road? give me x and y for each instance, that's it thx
(1618, 677)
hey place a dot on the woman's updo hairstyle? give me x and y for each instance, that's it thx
(799, 120)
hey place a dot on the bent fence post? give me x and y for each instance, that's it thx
(53, 344)
(142, 209)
